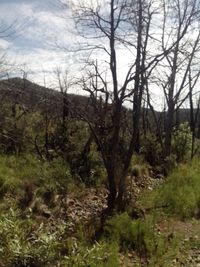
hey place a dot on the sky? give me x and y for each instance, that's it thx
(37, 29)
(37, 26)
(42, 33)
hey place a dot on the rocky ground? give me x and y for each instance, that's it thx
(92, 202)
(85, 208)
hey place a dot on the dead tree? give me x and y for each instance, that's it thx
(108, 27)
(194, 112)
(111, 26)
(181, 15)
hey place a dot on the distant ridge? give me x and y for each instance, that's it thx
(37, 98)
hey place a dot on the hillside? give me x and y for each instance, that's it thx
(35, 97)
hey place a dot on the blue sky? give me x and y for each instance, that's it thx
(38, 26)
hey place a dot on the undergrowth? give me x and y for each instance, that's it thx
(141, 235)
(29, 241)
(18, 172)
(24, 243)
(180, 193)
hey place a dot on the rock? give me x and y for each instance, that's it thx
(44, 211)
(174, 261)
(159, 176)
(70, 202)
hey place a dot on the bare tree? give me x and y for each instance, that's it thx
(179, 23)
(194, 112)
(65, 82)
(112, 26)
(6, 33)
(108, 27)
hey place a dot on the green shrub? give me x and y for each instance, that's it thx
(14, 171)
(138, 167)
(151, 150)
(100, 254)
(181, 192)
(18, 174)
(55, 177)
(139, 170)
(169, 164)
(97, 172)
(140, 235)
(119, 229)
(25, 243)
(182, 142)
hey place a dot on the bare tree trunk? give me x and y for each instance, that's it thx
(137, 97)
(168, 129)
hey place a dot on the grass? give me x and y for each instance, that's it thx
(27, 241)
(180, 193)
(141, 236)
(17, 172)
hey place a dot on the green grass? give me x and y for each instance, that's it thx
(25, 243)
(15, 172)
(141, 236)
(180, 193)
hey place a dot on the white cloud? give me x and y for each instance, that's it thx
(14, 12)
(4, 44)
